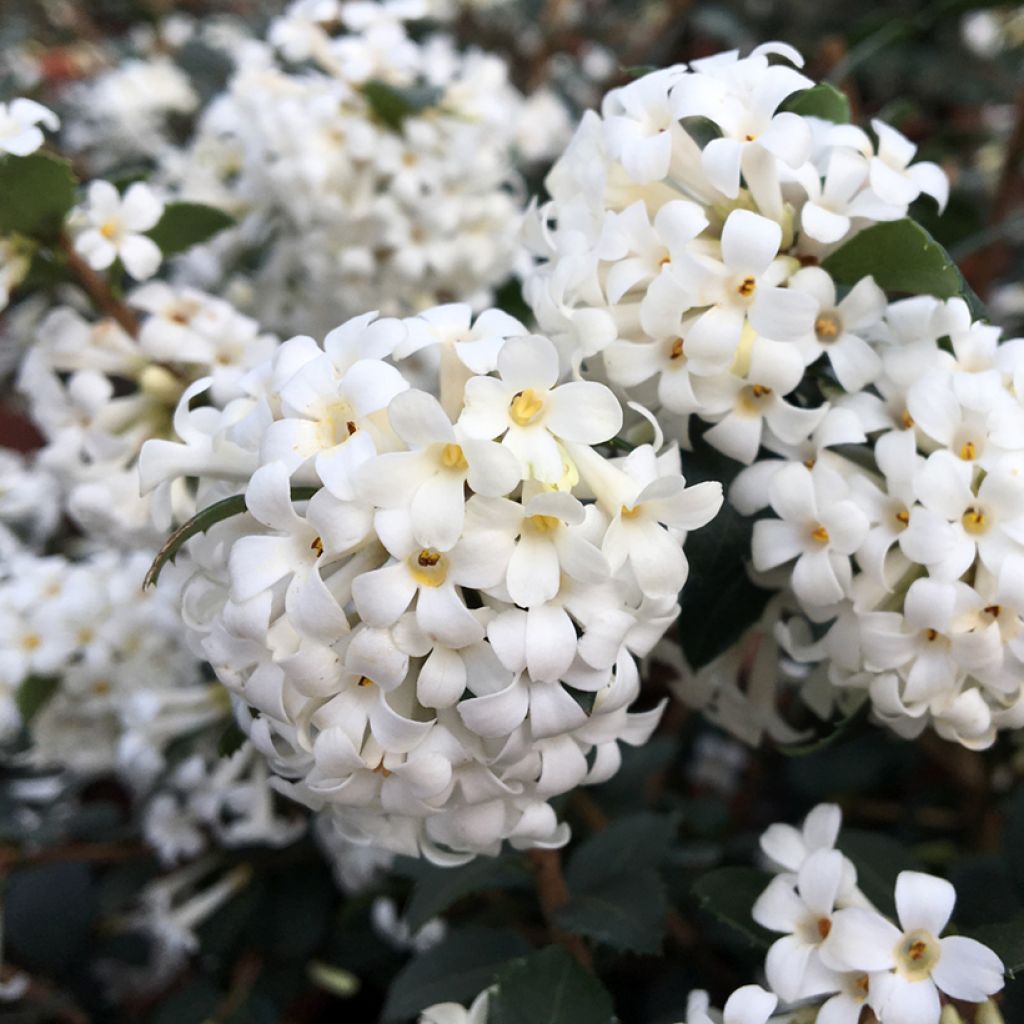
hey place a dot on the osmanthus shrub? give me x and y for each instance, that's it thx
(435, 569)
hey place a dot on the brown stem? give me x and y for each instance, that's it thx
(94, 853)
(98, 290)
(553, 894)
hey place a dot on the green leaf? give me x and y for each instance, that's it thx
(436, 889)
(902, 257)
(549, 987)
(729, 894)
(36, 193)
(616, 894)
(629, 844)
(835, 731)
(33, 695)
(878, 860)
(230, 740)
(186, 224)
(226, 508)
(626, 912)
(455, 970)
(822, 100)
(1006, 939)
(719, 602)
(393, 105)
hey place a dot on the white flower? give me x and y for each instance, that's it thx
(19, 126)
(454, 1013)
(114, 226)
(910, 965)
(531, 413)
(892, 176)
(818, 526)
(804, 912)
(430, 479)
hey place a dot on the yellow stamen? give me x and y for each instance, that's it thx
(747, 287)
(994, 610)
(903, 517)
(109, 230)
(366, 681)
(827, 327)
(526, 407)
(545, 524)
(453, 457)
(824, 927)
(676, 351)
(31, 641)
(761, 390)
(906, 419)
(931, 635)
(429, 568)
(968, 452)
(317, 546)
(629, 513)
(975, 521)
(820, 534)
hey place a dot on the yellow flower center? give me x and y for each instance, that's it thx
(917, 953)
(317, 546)
(747, 287)
(452, 457)
(366, 681)
(968, 451)
(109, 230)
(975, 521)
(429, 568)
(676, 351)
(906, 419)
(544, 524)
(820, 534)
(31, 641)
(629, 513)
(526, 407)
(828, 327)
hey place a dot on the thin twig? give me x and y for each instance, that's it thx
(98, 290)
(553, 894)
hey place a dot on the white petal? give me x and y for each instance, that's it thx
(749, 242)
(967, 969)
(924, 901)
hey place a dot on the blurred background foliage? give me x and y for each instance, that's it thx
(288, 947)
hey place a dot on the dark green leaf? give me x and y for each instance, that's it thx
(617, 896)
(1007, 940)
(464, 964)
(231, 740)
(186, 224)
(729, 894)
(626, 912)
(33, 695)
(822, 100)
(878, 859)
(35, 899)
(226, 508)
(436, 889)
(36, 193)
(902, 257)
(833, 733)
(629, 844)
(193, 1003)
(549, 987)
(393, 105)
(719, 602)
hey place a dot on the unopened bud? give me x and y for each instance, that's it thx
(950, 1015)
(988, 1013)
(160, 384)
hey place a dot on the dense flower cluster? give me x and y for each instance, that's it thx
(905, 547)
(102, 670)
(676, 257)
(688, 274)
(368, 169)
(435, 633)
(98, 393)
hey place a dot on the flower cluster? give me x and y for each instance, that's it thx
(436, 598)
(905, 546)
(681, 238)
(684, 265)
(368, 169)
(95, 673)
(837, 947)
(97, 392)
